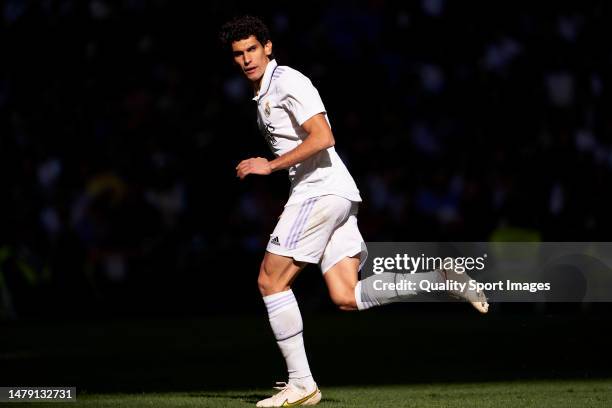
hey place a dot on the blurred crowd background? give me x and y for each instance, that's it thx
(121, 124)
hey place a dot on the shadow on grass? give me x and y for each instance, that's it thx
(198, 355)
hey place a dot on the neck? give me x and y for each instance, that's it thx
(257, 85)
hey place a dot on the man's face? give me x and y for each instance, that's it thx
(252, 57)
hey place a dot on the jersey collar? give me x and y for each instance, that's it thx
(266, 80)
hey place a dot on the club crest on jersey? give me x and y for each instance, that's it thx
(267, 109)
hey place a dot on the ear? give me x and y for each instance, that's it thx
(268, 48)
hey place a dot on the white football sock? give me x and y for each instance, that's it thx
(366, 296)
(286, 323)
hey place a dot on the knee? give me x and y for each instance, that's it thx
(345, 299)
(266, 282)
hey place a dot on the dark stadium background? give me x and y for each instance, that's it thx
(129, 250)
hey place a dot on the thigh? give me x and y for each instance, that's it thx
(344, 274)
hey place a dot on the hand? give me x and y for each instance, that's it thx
(256, 165)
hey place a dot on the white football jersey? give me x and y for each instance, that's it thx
(286, 100)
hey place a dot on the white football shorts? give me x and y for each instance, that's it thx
(320, 230)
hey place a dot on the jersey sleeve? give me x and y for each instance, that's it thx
(300, 98)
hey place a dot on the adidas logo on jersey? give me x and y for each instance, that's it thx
(275, 241)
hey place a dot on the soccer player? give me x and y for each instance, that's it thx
(319, 222)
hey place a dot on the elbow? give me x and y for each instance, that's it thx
(332, 141)
(328, 142)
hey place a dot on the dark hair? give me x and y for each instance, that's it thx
(240, 28)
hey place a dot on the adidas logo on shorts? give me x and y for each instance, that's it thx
(275, 241)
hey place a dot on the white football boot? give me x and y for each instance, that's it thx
(291, 396)
(476, 297)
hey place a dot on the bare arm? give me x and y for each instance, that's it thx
(320, 137)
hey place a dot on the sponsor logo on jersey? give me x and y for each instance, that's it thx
(267, 131)
(275, 241)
